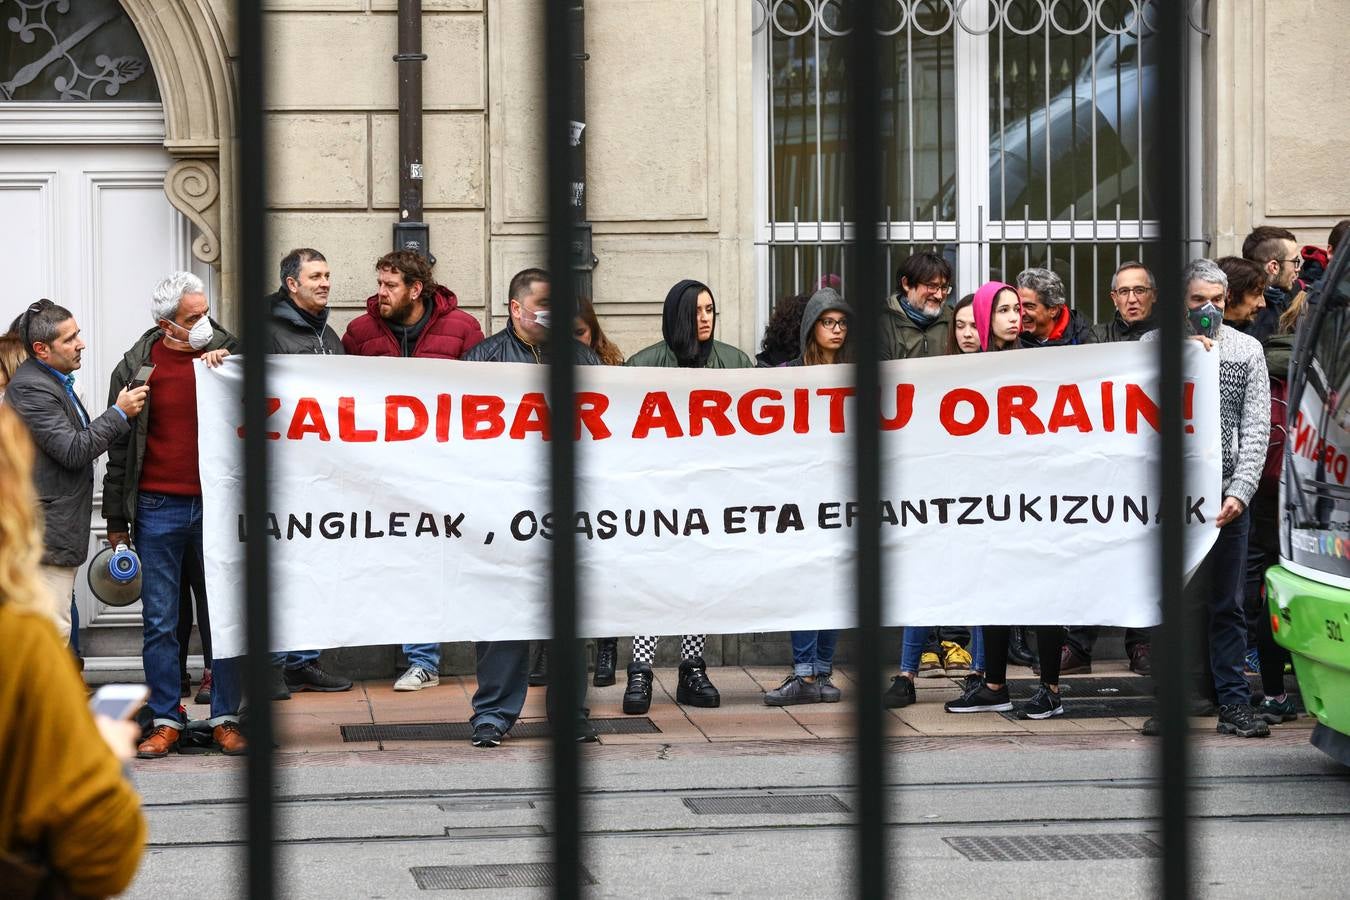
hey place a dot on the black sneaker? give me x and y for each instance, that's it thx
(828, 692)
(637, 697)
(981, 699)
(792, 691)
(695, 689)
(1044, 704)
(486, 735)
(1240, 719)
(1152, 727)
(899, 694)
(310, 677)
(279, 689)
(585, 732)
(606, 660)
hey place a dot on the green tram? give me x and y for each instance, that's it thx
(1309, 591)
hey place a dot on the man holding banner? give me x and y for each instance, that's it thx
(503, 678)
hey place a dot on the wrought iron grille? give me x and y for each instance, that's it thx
(1011, 136)
(58, 50)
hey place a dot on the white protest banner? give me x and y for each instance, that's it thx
(409, 497)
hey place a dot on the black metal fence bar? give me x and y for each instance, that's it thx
(864, 144)
(565, 668)
(1172, 645)
(252, 234)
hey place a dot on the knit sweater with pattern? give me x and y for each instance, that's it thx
(1244, 411)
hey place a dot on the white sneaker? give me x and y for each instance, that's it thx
(415, 679)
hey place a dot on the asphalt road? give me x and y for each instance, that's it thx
(1271, 818)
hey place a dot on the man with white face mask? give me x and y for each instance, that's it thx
(153, 490)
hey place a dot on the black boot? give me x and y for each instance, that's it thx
(637, 697)
(695, 689)
(606, 658)
(1019, 654)
(539, 674)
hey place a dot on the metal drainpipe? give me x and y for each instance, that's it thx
(410, 231)
(583, 255)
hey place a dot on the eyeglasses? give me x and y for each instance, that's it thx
(1140, 291)
(833, 324)
(1296, 262)
(937, 287)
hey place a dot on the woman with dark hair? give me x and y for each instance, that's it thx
(998, 322)
(964, 337)
(782, 336)
(823, 339)
(687, 326)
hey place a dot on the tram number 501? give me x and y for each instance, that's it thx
(1334, 630)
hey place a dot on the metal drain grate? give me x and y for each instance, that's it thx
(1105, 687)
(765, 805)
(1074, 708)
(505, 875)
(1030, 848)
(460, 731)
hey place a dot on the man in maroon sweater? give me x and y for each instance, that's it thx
(412, 316)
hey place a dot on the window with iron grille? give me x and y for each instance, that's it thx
(1012, 136)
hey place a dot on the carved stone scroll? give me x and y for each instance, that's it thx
(193, 187)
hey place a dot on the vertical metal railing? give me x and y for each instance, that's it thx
(867, 290)
(1172, 644)
(255, 326)
(565, 666)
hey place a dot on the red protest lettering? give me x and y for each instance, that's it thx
(394, 405)
(442, 417)
(768, 419)
(904, 409)
(1069, 410)
(531, 418)
(347, 430)
(308, 419)
(801, 410)
(710, 407)
(1015, 402)
(273, 404)
(1137, 404)
(837, 397)
(979, 409)
(482, 416)
(591, 407)
(1108, 406)
(657, 412)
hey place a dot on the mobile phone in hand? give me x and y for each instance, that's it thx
(119, 701)
(142, 375)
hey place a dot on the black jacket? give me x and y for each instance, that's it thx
(292, 334)
(506, 346)
(1118, 330)
(122, 481)
(63, 467)
(1076, 332)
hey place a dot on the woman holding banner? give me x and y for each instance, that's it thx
(687, 325)
(997, 314)
(824, 341)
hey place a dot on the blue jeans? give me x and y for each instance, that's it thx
(915, 639)
(503, 680)
(294, 659)
(813, 652)
(424, 656)
(168, 528)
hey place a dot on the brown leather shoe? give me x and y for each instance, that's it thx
(163, 739)
(1071, 662)
(229, 738)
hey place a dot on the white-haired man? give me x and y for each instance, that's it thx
(153, 489)
(1244, 431)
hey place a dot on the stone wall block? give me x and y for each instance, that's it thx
(452, 154)
(317, 161)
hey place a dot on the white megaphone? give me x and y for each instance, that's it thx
(115, 576)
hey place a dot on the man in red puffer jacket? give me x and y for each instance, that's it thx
(411, 315)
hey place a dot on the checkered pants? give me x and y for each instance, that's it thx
(644, 647)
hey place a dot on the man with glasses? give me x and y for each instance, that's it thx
(917, 318)
(67, 440)
(1276, 251)
(1133, 292)
(1047, 318)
